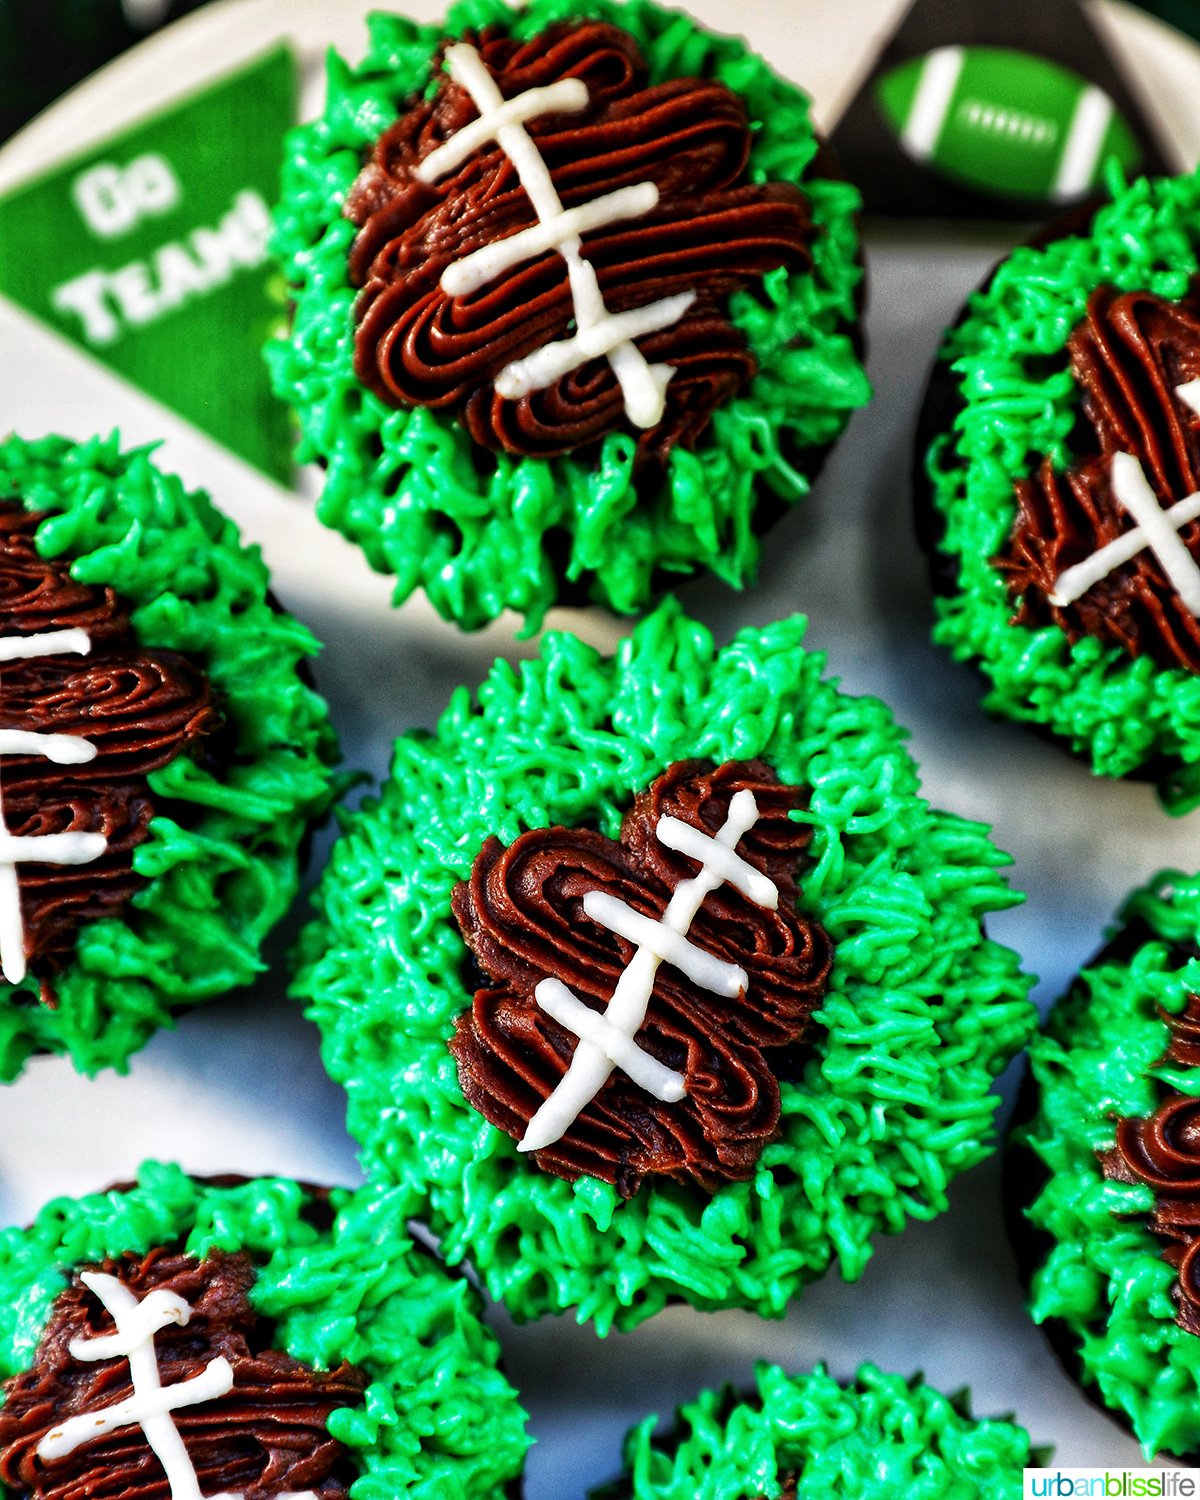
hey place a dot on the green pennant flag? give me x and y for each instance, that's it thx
(150, 252)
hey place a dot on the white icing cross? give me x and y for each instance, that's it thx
(48, 848)
(606, 1040)
(1154, 527)
(151, 1404)
(599, 333)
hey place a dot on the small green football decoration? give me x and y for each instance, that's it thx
(1007, 123)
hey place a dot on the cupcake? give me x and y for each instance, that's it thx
(805, 1437)
(654, 978)
(1103, 1175)
(1061, 465)
(185, 1337)
(575, 303)
(162, 752)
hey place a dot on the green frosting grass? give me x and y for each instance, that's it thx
(881, 1438)
(222, 856)
(1104, 1277)
(1020, 403)
(405, 485)
(437, 1422)
(921, 1012)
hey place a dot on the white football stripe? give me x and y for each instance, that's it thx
(683, 838)
(45, 643)
(1155, 528)
(593, 1026)
(567, 96)
(1189, 394)
(1093, 111)
(156, 1311)
(666, 945)
(62, 749)
(593, 1062)
(12, 929)
(55, 848)
(150, 1406)
(490, 261)
(51, 848)
(216, 1379)
(1158, 527)
(935, 89)
(552, 361)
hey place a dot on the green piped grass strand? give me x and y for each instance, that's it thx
(880, 1437)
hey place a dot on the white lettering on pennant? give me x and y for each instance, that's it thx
(112, 200)
(143, 291)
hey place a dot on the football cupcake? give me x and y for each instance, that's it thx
(181, 1338)
(575, 303)
(654, 977)
(1061, 490)
(1104, 1172)
(805, 1437)
(162, 754)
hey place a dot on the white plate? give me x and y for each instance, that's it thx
(240, 1086)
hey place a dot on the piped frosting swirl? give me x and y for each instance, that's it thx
(522, 916)
(710, 233)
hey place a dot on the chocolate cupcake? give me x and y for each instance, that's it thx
(575, 303)
(654, 978)
(800, 1437)
(1061, 443)
(162, 753)
(180, 1338)
(1103, 1173)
